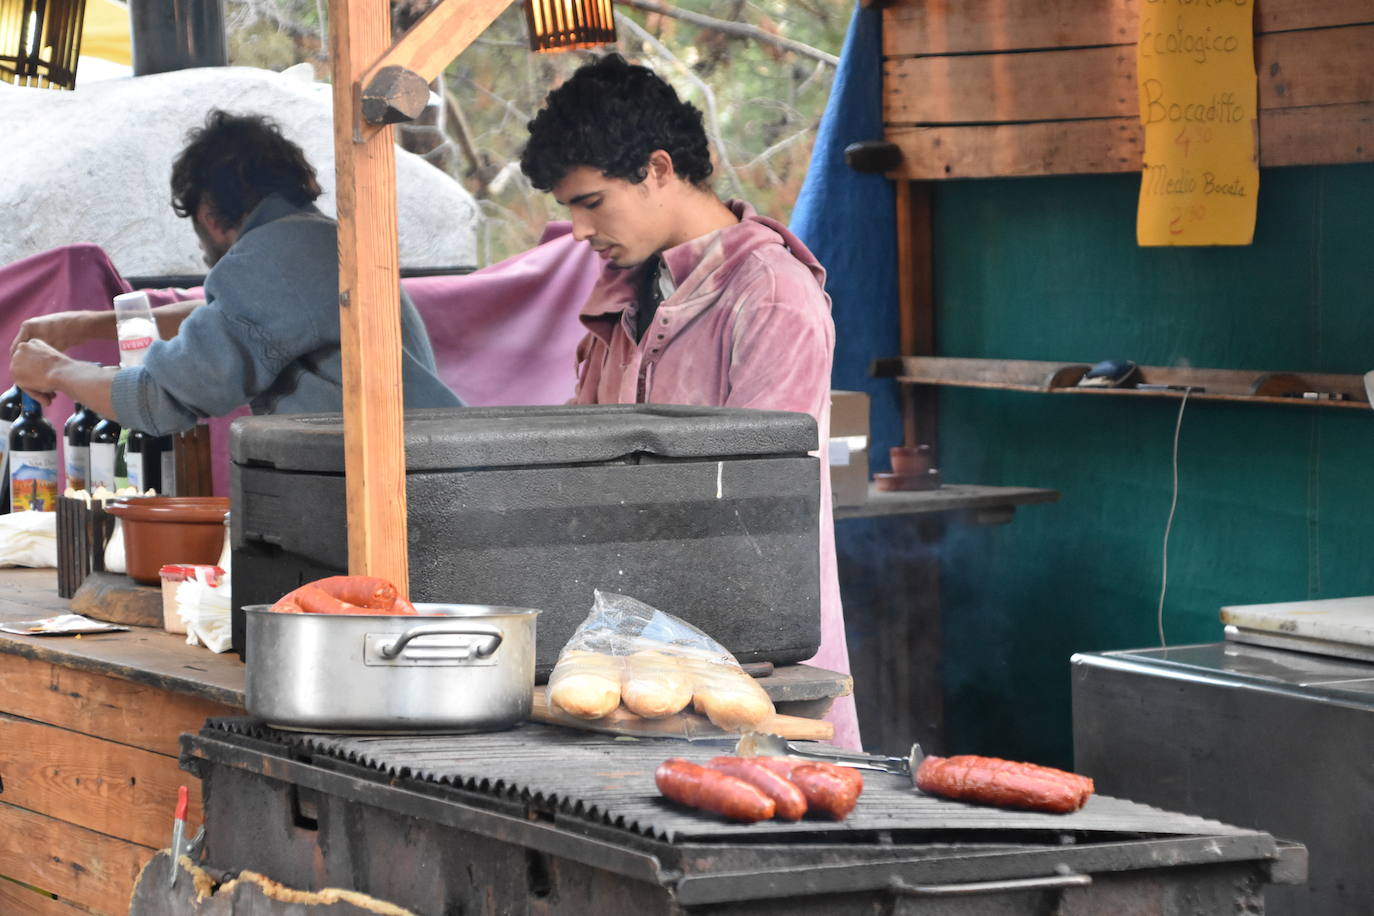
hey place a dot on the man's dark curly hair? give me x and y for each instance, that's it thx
(235, 161)
(611, 115)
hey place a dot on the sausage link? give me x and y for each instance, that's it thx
(286, 604)
(345, 595)
(784, 766)
(993, 781)
(827, 791)
(697, 786)
(315, 600)
(364, 591)
(788, 800)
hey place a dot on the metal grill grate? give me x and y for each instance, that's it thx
(610, 781)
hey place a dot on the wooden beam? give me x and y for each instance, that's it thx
(1318, 135)
(1296, 70)
(916, 306)
(441, 35)
(369, 302)
(972, 26)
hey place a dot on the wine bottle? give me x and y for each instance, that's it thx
(11, 405)
(143, 458)
(104, 454)
(76, 437)
(33, 461)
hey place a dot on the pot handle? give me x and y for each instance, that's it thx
(389, 650)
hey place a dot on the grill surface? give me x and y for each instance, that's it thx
(610, 782)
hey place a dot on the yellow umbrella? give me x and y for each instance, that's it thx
(105, 32)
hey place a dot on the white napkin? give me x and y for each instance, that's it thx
(28, 539)
(205, 609)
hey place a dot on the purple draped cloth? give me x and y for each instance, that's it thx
(505, 334)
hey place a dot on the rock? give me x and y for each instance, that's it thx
(93, 165)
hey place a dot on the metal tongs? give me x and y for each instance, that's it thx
(758, 744)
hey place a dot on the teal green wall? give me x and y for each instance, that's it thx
(1275, 503)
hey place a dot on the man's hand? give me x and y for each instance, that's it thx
(64, 330)
(34, 366)
(42, 371)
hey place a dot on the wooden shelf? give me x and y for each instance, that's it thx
(1236, 385)
(978, 504)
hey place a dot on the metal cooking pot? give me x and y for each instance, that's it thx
(452, 668)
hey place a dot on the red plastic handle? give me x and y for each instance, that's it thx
(181, 803)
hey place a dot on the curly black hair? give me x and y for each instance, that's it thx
(611, 115)
(235, 161)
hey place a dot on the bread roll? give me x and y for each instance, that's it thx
(655, 685)
(731, 699)
(586, 684)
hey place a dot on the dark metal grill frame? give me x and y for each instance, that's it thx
(549, 801)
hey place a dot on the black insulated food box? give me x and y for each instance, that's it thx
(710, 514)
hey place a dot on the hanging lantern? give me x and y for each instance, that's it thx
(560, 25)
(39, 42)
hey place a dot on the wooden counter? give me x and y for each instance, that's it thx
(89, 738)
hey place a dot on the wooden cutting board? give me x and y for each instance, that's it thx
(682, 725)
(1336, 620)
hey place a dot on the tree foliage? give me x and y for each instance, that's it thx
(760, 70)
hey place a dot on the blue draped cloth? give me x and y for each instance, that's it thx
(847, 219)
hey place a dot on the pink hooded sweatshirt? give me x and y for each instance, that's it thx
(747, 325)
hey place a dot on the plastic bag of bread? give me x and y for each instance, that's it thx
(586, 684)
(654, 664)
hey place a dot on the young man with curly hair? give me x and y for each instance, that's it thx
(701, 301)
(267, 333)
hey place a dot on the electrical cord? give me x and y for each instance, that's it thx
(1169, 525)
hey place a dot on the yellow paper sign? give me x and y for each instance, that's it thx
(1198, 104)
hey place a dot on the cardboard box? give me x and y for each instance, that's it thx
(848, 448)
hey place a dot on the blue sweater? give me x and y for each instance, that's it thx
(268, 334)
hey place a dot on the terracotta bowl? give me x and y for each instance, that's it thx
(159, 530)
(910, 461)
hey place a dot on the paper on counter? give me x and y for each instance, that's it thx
(61, 625)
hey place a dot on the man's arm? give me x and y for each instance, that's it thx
(41, 371)
(782, 348)
(64, 330)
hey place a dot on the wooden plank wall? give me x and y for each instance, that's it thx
(989, 88)
(88, 784)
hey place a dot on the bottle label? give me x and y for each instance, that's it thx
(136, 473)
(33, 481)
(135, 335)
(5, 444)
(169, 472)
(103, 465)
(78, 466)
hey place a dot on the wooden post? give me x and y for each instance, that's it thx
(916, 306)
(369, 302)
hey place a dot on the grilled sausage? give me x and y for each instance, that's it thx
(785, 765)
(788, 800)
(697, 786)
(827, 791)
(992, 781)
